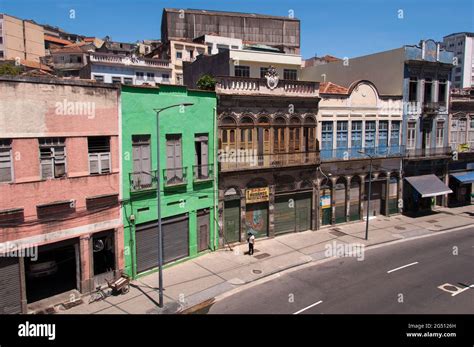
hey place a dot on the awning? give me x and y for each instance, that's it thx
(464, 177)
(428, 185)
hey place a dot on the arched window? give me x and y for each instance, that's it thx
(279, 128)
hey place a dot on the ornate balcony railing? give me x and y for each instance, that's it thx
(351, 153)
(434, 107)
(428, 152)
(175, 177)
(108, 58)
(247, 85)
(203, 173)
(141, 181)
(242, 160)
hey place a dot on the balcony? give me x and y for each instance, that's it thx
(175, 177)
(428, 152)
(203, 173)
(347, 153)
(432, 108)
(142, 181)
(258, 86)
(114, 59)
(244, 161)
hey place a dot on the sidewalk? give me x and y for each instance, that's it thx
(203, 278)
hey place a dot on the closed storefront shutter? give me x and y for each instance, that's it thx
(175, 242)
(303, 212)
(285, 214)
(232, 221)
(10, 289)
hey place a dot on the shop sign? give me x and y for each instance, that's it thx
(257, 195)
(325, 201)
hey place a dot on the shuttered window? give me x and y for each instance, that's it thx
(102, 201)
(201, 161)
(52, 157)
(99, 155)
(6, 165)
(141, 161)
(174, 170)
(56, 210)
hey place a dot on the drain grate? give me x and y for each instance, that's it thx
(438, 226)
(257, 271)
(261, 256)
(399, 228)
(432, 221)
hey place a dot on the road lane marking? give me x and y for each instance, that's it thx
(308, 307)
(402, 267)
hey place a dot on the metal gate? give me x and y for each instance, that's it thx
(175, 242)
(10, 287)
(232, 221)
(303, 212)
(292, 213)
(203, 229)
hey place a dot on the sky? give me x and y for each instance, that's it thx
(343, 28)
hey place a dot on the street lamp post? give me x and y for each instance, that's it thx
(369, 194)
(158, 194)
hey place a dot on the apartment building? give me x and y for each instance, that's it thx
(462, 45)
(59, 183)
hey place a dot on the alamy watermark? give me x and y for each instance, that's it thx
(340, 250)
(75, 108)
(12, 250)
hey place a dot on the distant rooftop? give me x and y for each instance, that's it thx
(226, 13)
(467, 33)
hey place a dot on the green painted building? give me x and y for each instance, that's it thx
(187, 174)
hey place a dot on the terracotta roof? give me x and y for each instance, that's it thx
(330, 58)
(332, 88)
(89, 39)
(35, 65)
(68, 49)
(56, 40)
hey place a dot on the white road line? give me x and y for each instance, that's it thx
(462, 290)
(402, 267)
(306, 308)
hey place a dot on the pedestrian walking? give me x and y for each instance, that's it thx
(251, 241)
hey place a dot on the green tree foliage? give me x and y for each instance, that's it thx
(9, 70)
(206, 82)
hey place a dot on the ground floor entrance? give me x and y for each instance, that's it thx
(292, 212)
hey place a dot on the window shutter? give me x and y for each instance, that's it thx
(105, 162)
(94, 163)
(5, 165)
(177, 158)
(46, 168)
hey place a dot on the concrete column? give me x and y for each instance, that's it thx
(271, 212)
(220, 219)
(400, 192)
(333, 200)
(361, 197)
(316, 202)
(86, 264)
(243, 209)
(119, 249)
(446, 181)
(387, 194)
(24, 301)
(348, 198)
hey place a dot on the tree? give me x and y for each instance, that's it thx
(9, 69)
(206, 82)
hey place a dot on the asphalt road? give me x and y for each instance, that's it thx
(398, 278)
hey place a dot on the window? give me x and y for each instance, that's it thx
(209, 48)
(326, 135)
(222, 48)
(150, 76)
(116, 79)
(1, 54)
(140, 75)
(191, 54)
(6, 164)
(457, 70)
(290, 74)
(102, 201)
(395, 134)
(341, 136)
(127, 80)
(413, 89)
(166, 78)
(439, 134)
(242, 71)
(370, 134)
(458, 130)
(234, 47)
(201, 153)
(99, 155)
(52, 157)
(356, 136)
(1, 40)
(141, 176)
(263, 72)
(174, 165)
(11, 217)
(99, 78)
(179, 55)
(411, 134)
(442, 91)
(428, 93)
(383, 134)
(471, 132)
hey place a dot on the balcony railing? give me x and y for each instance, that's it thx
(434, 107)
(428, 152)
(202, 173)
(247, 85)
(108, 58)
(244, 161)
(355, 153)
(175, 177)
(141, 181)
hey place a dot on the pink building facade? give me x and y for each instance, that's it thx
(60, 225)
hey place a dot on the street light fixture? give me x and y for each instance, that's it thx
(158, 194)
(369, 194)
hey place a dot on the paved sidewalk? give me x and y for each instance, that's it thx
(203, 278)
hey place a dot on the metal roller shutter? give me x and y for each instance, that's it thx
(175, 242)
(10, 288)
(303, 212)
(285, 221)
(231, 221)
